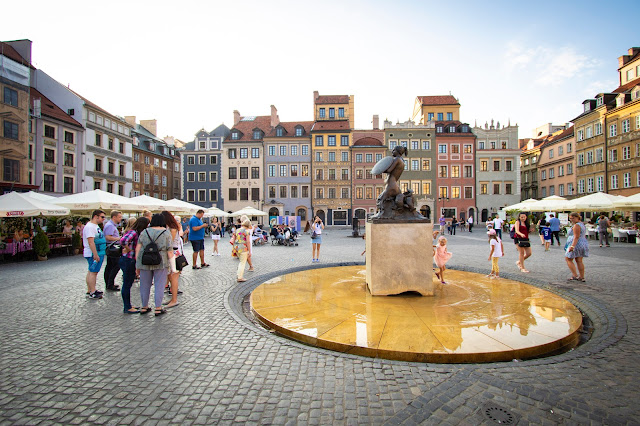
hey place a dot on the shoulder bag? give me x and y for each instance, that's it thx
(181, 261)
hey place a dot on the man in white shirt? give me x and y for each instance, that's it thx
(497, 225)
(470, 222)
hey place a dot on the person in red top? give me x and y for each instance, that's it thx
(522, 240)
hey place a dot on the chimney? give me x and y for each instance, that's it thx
(275, 120)
(316, 95)
(236, 117)
(376, 122)
(131, 120)
(150, 125)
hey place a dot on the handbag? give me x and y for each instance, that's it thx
(524, 242)
(314, 235)
(114, 249)
(181, 261)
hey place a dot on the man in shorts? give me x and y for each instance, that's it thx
(196, 236)
(94, 249)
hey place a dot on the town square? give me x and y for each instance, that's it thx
(290, 213)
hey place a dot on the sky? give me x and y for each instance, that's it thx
(190, 64)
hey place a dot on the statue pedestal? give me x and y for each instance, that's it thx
(399, 257)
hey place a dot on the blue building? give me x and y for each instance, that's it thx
(201, 168)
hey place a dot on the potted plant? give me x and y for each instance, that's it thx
(76, 241)
(41, 244)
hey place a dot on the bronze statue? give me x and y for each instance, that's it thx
(393, 203)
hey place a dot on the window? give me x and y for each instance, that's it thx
(614, 182)
(294, 150)
(244, 152)
(626, 180)
(110, 144)
(97, 184)
(332, 156)
(426, 164)
(468, 192)
(232, 153)
(481, 145)
(359, 193)
(455, 171)
(598, 130)
(344, 156)
(613, 130)
(156, 180)
(626, 152)
(213, 159)
(191, 160)
(283, 170)
(589, 184)
(10, 130)
(508, 188)
(244, 193)
(415, 145)
(626, 125)
(543, 175)
(613, 155)
(283, 192)
(213, 176)
(580, 134)
(442, 149)
(11, 172)
(580, 159)
(483, 189)
(10, 97)
(319, 193)
(298, 131)
(359, 174)
(110, 167)
(319, 174)
(599, 156)
(426, 145)
(121, 169)
(332, 174)
(191, 177)
(496, 166)
(332, 113)
(467, 148)
(544, 191)
(358, 158)
(483, 165)
(257, 134)
(294, 192)
(392, 145)
(493, 144)
(147, 178)
(283, 150)
(443, 172)
(202, 176)
(98, 165)
(191, 195)
(255, 152)
(255, 173)
(449, 116)
(48, 183)
(319, 141)
(560, 170)
(244, 173)
(305, 191)
(67, 187)
(305, 149)
(235, 135)
(321, 112)
(233, 173)
(271, 150)
(551, 173)
(318, 156)
(304, 170)
(440, 116)
(332, 193)
(49, 156)
(279, 131)
(468, 171)
(508, 165)
(164, 181)
(430, 116)
(452, 129)
(68, 159)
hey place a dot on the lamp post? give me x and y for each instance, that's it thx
(443, 199)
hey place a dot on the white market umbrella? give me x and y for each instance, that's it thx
(215, 212)
(519, 205)
(548, 204)
(39, 196)
(149, 203)
(180, 206)
(598, 201)
(631, 202)
(96, 199)
(15, 204)
(248, 211)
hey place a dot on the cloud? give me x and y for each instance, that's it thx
(547, 66)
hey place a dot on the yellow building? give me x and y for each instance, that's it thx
(623, 129)
(330, 158)
(435, 108)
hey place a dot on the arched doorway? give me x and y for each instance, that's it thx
(472, 213)
(360, 214)
(426, 211)
(321, 215)
(273, 211)
(302, 212)
(485, 215)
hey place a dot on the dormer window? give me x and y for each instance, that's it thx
(620, 100)
(298, 131)
(465, 129)
(587, 106)
(452, 129)
(235, 136)
(279, 131)
(439, 129)
(257, 134)
(321, 113)
(599, 101)
(152, 146)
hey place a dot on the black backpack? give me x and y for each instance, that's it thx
(151, 254)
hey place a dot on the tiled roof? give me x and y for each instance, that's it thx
(290, 128)
(11, 53)
(91, 104)
(262, 122)
(565, 134)
(332, 99)
(49, 109)
(368, 142)
(628, 86)
(322, 126)
(438, 100)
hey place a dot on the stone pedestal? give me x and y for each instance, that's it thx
(399, 257)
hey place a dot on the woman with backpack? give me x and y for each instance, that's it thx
(153, 251)
(129, 241)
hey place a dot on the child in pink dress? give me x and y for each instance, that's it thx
(441, 257)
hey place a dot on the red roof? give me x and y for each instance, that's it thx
(11, 53)
(438, 100)
(565, 133)
(368, 142)
(628, 86)
(246, 125)
(290, 128)
(49, 109)
(321, 126)
(332, 99)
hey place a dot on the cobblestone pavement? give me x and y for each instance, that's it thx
(65, 359)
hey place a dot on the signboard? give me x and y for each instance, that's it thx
(564, 218)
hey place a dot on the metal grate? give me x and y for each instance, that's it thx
(499, 415)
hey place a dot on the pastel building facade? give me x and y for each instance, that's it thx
(367, 149)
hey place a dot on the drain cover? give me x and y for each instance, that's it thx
(499, 415)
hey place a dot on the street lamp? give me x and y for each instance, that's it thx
(443, 199)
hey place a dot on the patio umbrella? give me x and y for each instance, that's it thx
(15, 204)
(519, 205)
(179, 206)
(598, 201)
(215, 212)
(548, 204)
(631, 202)
(96, 199)
(249, 211)
(39, 196)
(149, 203)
